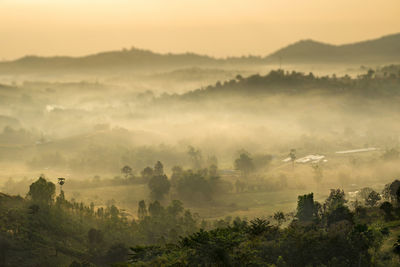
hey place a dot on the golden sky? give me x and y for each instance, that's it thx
(215, 27)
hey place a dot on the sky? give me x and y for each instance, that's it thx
(218, 28)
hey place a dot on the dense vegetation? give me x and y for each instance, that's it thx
(382, 82)
(137, 142)
(42, 231)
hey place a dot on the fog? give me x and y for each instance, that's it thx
(80, 127)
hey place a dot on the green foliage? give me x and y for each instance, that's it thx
(260, 244)
(279, 216)
(306, 208)
(372, 199)
(328, 235)
(194, 186)
(159, 186)
(390, 190)
(42, 191)
(387, 208)
(335, 199)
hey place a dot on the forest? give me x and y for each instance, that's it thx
(46, 229)
(277, 169)
(199, 133)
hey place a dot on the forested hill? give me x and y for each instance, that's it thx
(383, 50)
(132, 59)
(281, 82)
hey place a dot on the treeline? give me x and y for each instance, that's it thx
(321, 234)
(380, 82)
(45, 230)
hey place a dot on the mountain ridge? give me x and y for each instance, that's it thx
(385, 49)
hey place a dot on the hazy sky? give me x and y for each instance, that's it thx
(214, 27)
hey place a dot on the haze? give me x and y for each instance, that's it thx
(217, 28)
(199, 133)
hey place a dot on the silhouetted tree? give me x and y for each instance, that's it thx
(306, 208)
(244, 164)
(142, 210)
(159, 186)
(158, 169)
(127, 171)
(387, 208)
(42, 191)
(195, 157)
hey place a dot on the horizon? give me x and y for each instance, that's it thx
(195, 53)
(223, 29)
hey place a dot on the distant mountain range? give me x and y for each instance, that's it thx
(384, 50)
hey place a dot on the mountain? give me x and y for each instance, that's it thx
(383, 50)
(127, 60)
(377, 51)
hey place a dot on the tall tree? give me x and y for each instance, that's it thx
(306, 208)
(127, 171)
(142, 210)
(159, 186)
(42, 191)
(244, 164)
(195, 157)
(158, 168)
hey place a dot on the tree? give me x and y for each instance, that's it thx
(398, 196)
(213, 171)
(195, 157)
(155, 209)
(175, 208)
(387, 208)
(396, 247)
(177, 172)
(193, 186)
(244, 164)
(147, 173)
(279, 216)
(159, 186)
(117, 253)
(42, 191)
(335, 199)
(4, 247)
(127, 171)
(390, 190)
(372, 199)
(142, 210)
(95, 236)
(306, 209)
(158, 169)
(364, 193)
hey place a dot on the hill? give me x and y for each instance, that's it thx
(373, 83)
(378, 51)
(127, 60)
(382, 50)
